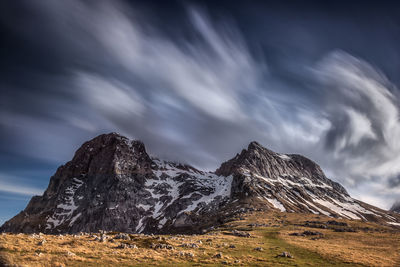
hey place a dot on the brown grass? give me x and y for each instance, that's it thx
(377, 247)
(369, 248)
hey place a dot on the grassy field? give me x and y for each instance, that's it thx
(367, 244)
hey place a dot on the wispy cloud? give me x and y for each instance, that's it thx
(200, 97)
(15, 188)
(364, 114)
(210, 74)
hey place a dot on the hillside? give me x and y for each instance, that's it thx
(112, 184)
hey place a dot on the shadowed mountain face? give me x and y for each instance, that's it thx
(396, 207)
(113, 184)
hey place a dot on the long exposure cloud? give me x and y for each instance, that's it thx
(364, 116)
(197, 95)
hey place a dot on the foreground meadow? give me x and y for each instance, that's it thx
(257, 239)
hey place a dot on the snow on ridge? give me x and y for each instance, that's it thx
(276, 203)
(150, 183)
(67, 208)
(140, 226)
(390, 217)
(394, 223)
(173, 192)
(341, 208)
(354, 207)
(74, 219)
(347, 208)
(321, 211)
(167, 168)
(311, 183)
(337, 209)
(285, 181)
(166, 179)
(284, 156)
(145, 207)
(162, 222)
(222, 188)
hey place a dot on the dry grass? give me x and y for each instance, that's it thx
(377, 247)
(369, 248)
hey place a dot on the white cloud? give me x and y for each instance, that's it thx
(210, 74)
(364, 114)
(359, 127)
(19, 189)
(110, 96)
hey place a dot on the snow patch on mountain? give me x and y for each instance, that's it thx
(318, 192)
(283, 156)
(278, 205)
(166, 188)
(67, 207)
(220, 185)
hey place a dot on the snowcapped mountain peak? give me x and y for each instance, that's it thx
(265, 162)
(113, 184)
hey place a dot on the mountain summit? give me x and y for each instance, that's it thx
(113, 184)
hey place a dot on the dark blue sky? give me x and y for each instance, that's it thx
(197, 81)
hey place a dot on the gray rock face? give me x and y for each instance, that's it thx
(396, 207)
(113, 184)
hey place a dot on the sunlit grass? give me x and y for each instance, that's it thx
(378, 247)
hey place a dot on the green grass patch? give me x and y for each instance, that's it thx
(301, 256)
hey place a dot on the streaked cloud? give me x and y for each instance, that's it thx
(8, 186)
(201, 93)
(364, 113)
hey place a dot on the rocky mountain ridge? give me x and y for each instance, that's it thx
(396, 207)
(113, 184)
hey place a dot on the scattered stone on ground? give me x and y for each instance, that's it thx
(351, 230)
(189, 245)
(161, 246)
(70, 254)
(240, 233)
(285, 255)
(186, 254)
(307, 233)
(123, 246)
(332, 222)
(258, 225)
(122, 236)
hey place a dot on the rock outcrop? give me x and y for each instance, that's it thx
(396, 207)
(113, 184)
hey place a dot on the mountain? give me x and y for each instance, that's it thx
(396, 207)
(113, 184)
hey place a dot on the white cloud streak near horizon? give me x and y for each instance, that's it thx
(19, 189)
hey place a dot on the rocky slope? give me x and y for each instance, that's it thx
(113, 184)
(396, 207)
